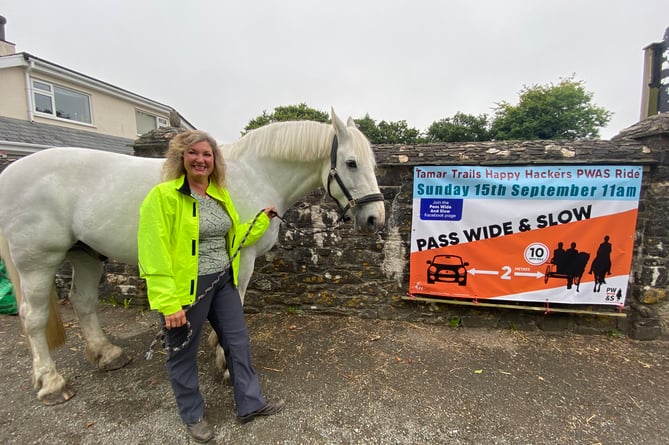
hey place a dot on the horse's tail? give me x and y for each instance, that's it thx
(55, 330)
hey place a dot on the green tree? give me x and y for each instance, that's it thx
(562, 111)
(287, 113)
(460, 128)
(397, 132)
(368, 127)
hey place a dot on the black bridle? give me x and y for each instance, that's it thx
(352, 202)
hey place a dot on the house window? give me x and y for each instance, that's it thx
(147, 122)
(61, 102)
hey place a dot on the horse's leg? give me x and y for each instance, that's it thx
(219, 357)
(36, 286)
(86, 273)
(246, 265)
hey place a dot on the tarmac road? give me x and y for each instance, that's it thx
(354, 381)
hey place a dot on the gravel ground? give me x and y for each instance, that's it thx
(353, 381)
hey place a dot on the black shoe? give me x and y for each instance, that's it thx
(270, 408)
(200, 431)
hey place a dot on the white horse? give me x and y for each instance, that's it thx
(83, 205)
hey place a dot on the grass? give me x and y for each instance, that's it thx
(294, 310)
(114, 302)
(614, 333)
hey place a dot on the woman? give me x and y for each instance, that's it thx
(188, 232)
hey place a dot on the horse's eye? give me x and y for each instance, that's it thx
(351, 164)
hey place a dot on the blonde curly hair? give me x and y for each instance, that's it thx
(174, 159)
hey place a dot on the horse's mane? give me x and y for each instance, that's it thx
(295, 140)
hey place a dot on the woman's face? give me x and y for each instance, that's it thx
(199, 160)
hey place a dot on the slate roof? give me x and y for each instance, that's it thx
(21, 131)
(655, 125)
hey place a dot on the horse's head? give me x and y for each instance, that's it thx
(350, 177)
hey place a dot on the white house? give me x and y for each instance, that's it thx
(44, 105)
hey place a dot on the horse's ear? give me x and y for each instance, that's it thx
(339, 127)
(351, 123)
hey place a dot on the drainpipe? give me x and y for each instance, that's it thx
(29, 95)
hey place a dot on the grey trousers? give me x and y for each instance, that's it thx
(223, 308)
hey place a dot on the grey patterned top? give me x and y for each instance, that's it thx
(214, 225)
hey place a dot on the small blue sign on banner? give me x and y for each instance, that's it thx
(441, 209)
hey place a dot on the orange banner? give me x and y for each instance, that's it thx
(542, 251)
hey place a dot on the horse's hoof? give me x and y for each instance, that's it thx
(65, 394)
(116, 363)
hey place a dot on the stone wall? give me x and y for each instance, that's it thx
(340, 271)
(315, 268)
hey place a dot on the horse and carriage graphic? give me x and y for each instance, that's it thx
(570, 265)
(567, 265)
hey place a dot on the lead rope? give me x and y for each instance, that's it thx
(160, 336)
(289, 225)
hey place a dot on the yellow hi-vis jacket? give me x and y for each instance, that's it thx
(168, 242)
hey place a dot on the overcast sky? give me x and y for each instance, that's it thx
(221, 63)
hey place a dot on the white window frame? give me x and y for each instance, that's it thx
(50, 93)
(159, 120)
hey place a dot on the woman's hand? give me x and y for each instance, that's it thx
(271, 212)
(176, 320)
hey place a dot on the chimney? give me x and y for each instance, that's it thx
(6, 48)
